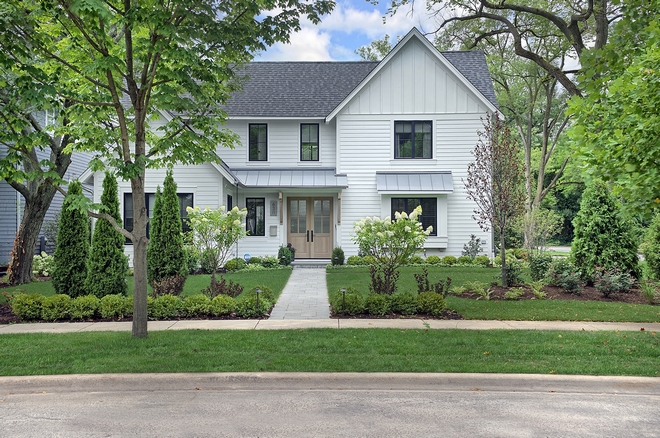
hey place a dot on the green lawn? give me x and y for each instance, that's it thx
(332, 350)
(273, 278)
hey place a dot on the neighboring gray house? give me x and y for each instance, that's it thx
(12, 204)
(324, 144)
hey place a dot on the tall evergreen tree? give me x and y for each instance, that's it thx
(107, 265)
(153, 257)
(165, 250)
(603, 238)
(72, 248)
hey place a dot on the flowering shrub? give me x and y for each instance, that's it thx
(42, 265)
(392, 243)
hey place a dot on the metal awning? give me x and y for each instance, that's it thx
(297, 178)
(414, 182)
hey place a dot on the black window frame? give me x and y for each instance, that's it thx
(252, 205)
(399, 141)
(257, 144)
(426, 218)
(303, 143)
(183, 214)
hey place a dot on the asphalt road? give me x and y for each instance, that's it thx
(320, 405)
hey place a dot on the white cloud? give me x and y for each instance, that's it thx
(344, 30)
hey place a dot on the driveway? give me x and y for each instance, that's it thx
(320, 404)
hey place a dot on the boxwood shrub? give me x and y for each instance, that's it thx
(165, 307)
(404, 303)
(27, 306)
(222, 305)
(377, 304)
(430, 303)
(84, 307)
(196, 305)
(247, 307)
(353, 305)
(56, 307)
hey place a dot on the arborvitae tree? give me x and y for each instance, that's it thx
(651, 247)
(603, 238)
(72, 248)
(165, 251)
(153, 256)
(107, 265)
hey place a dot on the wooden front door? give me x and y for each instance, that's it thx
(310, 227)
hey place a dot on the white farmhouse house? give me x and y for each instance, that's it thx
(324, 144)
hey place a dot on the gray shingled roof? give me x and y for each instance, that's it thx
(314, 89)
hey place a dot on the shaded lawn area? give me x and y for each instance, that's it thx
(273, 278)
(333, 350)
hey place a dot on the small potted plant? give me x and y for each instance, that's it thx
(293, 251)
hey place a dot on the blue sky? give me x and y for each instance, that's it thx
(352, 24)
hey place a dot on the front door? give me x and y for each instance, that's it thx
(310, 227)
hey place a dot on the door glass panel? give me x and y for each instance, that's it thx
(303, 208)
(317, 208)
(294, 225)
(326, 208)
(318, 224)
(294, 208)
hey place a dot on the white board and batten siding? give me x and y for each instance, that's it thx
(413, 85)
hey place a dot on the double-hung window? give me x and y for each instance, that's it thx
(255, 222)
(413, 139)
(309, 142)
(258, 142)
(429, 216)
(185, 200)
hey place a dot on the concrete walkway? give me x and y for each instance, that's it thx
(305, 296)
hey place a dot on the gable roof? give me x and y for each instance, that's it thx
(317, 89)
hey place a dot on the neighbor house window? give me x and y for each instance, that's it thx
(309, 142)
(429, 215)
(185, 200)
(413, 140)
(255, 222)
(258, 142)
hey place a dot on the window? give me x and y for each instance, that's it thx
(230, 202)
(309, 142)
(258, 142)
(412, 140)
(255, 222)
(429, 215)
(185, 201)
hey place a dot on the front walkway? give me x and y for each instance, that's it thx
(305, 296)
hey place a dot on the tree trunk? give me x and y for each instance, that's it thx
(503, 258)
(36, 207)
(140, 243)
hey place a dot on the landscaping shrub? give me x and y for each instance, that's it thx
(222, 305)
(238, 263)
(377, 304)
(562, 273)
(433, 260)
(165, 254)
(112, 306)
(539, 265)
(368, 260)
(514, 293)
(473, 247)
(355, 261)
(520, 253)
(27, 306)
(56, 307)
(404, 303)
(253, 267)
(352, 305)
(168, 285)
(464, 260)
(72, 248)
(383, 281)
(430, 303)
(651, 247)
(166, 307)
(266, 262)
(107, 264)
(650, 291)
(482, 260)
(207, 260)
(266, 293)
(449, 260)
(423, 284)
(223, 287)
(609, 281)
(84, 307)
(254, 261)
(514, 271)
(417, 260)
(603, 238)
(193, 257)
(337, 256)
(247, 307)
(196, 305)
(42, 265)
(284, 256)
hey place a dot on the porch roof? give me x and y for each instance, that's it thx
(414, 182)
(296, 178)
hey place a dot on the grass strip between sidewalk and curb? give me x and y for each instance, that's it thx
(331, 350)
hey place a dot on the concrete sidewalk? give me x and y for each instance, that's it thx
(287, 324)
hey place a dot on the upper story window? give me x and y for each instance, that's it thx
(413, 139)
(258, 142)
(255, 222)
(429, 216)
(309, 142)
(185, 200)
